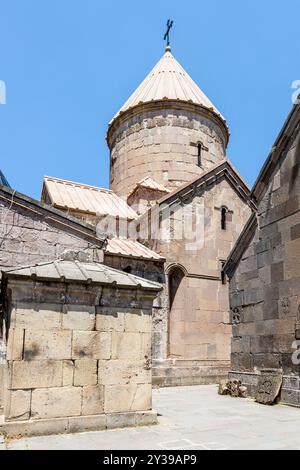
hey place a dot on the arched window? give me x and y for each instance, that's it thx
(175, 278)
(223, 218)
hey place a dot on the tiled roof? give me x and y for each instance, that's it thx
(3, 180)
(168, 80)
(130, 248)
(84, 198)
(71, 270)
(150, 183)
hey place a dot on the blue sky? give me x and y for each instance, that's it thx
(69, 65)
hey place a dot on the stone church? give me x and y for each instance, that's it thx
(175, 208)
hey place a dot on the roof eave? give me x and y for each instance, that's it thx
(134, 110)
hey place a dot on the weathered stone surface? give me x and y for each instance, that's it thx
(268, 387)
(42, 317)
(223, 389)
(85, 372)
(110, 319)
(93, 400)
(76, 317)
(15, 344)
(56, 402)
(54, 344)
(131, 397)
(92, 344)
(34, 374)
(123, 372)
(17, 405)
(68, 373)
(129, 346)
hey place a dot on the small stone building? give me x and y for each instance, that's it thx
(78, 347)
(33, 232)
(264, 272)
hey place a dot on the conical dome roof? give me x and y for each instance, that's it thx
(168, 81)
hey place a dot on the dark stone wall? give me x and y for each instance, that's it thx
(32, 233)
(265, 288)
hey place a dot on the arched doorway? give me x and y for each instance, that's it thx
(176, 281)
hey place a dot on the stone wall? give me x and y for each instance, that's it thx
(265, 287)
(31, 232)
(153, 271)
(197, 330)
(161, 141)
(75, 362)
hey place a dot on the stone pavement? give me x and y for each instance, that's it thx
(191, 418)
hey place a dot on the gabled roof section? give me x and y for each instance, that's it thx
(224, 169)
(168, 81)
(241, 245)
(86, 272)
(131, 249)
(80, 197)
(151, 184)
(3, 180)
(291, 125)
(14, 198)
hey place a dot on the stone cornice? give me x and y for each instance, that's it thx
(167, 104)
(224, 170)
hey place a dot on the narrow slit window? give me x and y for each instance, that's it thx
(223, 275)
(223, 218)
(199, 155)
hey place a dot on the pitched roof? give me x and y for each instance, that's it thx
(85, 271)
(241, 245)
(291, 125)
(84, 198)
(221, 169)
(3, 180)
(168, 80)
(150, 183)
(14, 198)
(131, 249)
(266, 173)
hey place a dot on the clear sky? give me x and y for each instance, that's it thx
(69, 65)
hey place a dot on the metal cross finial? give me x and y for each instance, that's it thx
(167, 35)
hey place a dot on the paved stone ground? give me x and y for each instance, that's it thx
(191, 418)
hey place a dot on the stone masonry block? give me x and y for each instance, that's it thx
(42, 317)
(68, 373)
(15, 344)
(93, 400)
(110, 319)
(123, 372)
(77, 317)
(56, 402)
(131, 397)
(91, 344)
(47, 344)
(139, 322)
(34, 374)
(127, 345)
(85, 372)
(17, 405)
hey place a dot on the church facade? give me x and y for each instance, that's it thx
(177, 196)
